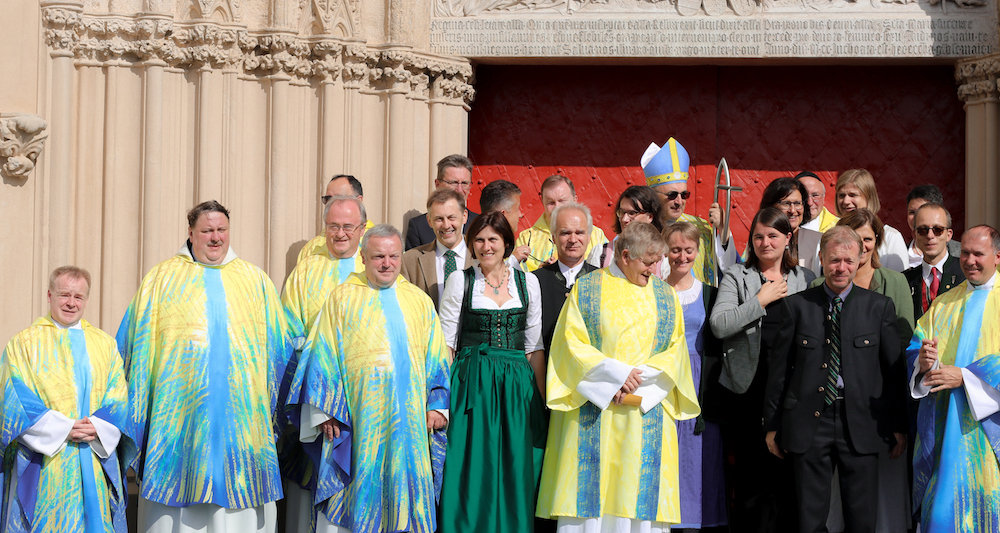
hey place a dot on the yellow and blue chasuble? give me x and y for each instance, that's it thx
(206, 351)
(543, 249)
(309, 284)
(304, 294)
(955, 467)
(76, 372)
(376, 361)
(617, 461)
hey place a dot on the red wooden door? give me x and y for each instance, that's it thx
(592, 124)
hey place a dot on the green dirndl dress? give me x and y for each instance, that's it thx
(496, 435)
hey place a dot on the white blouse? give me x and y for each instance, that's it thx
(451, 306)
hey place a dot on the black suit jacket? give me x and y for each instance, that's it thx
(419, 232)
(872, 367)
(952, 276)
(553, 286)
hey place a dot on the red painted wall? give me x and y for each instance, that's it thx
(592, 124)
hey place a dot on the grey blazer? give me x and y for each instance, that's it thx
(736, 319)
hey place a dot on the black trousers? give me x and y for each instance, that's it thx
(813, 473)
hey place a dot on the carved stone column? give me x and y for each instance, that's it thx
(978, 88)
(61, 19)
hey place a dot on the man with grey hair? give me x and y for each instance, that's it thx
(374, 378)
(619, 377)
(453, 172)
(834, 395)
(339, 185)
(571, 230)
(304, 294)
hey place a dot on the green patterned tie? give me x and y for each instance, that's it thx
(831, 385)
(449, 264)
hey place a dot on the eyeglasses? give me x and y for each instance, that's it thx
(462, 184)
(672, 195)
(325, 199)
(631, 213)
(924, 230)
(346, 228)
(788, 204)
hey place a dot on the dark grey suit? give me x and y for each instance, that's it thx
(951, 276)
(850, 432)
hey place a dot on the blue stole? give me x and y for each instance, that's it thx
(81, 367)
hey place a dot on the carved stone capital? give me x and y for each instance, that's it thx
(62, 22)
(22, 137)
(977, 78)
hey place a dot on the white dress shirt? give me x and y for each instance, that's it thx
(926, 269)
(570, 273)
(460, 249)
(454, 292)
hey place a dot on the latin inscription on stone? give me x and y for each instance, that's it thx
(962, 34)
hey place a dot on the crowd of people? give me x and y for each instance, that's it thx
(464, 378)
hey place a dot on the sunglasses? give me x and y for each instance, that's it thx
(924, 230)
(672, 195)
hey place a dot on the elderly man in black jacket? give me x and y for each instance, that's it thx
(836, 389)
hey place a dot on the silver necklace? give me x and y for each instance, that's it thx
(503, 277)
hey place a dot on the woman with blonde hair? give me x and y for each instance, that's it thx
(856, 190)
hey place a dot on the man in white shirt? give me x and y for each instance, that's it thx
(571, 231)
(938, 270)
(428, 266)
(918, 196)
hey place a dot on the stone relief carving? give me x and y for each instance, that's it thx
(22, 137)
(158, 38)
(978, 79)
(339, 18)
(470, 8)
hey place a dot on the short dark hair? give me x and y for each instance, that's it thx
(777, 190)
(355, 184)
(771, 217)
(932, 205)
(453, 161)
(860, 218)
(498, 196)
(210, 206)
(498, 223)
(645, 199)
(927, 192)
(806, 174)
(442, 195)
(554, 180)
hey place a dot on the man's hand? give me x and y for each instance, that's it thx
(772, 446)
(632, 382)
(715, 215)
(435, 421)
(83, 431)
(928, 354)
(946, 377)
(900, 446)
(331, 429)
(521, 253)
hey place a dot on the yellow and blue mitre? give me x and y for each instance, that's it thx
(665, 165)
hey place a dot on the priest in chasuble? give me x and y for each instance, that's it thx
(65, 435)
(206, 348)
(370, 396)
(305, 292)
(954, 358)
(618, 379)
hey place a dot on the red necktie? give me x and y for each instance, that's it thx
(935, 283)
